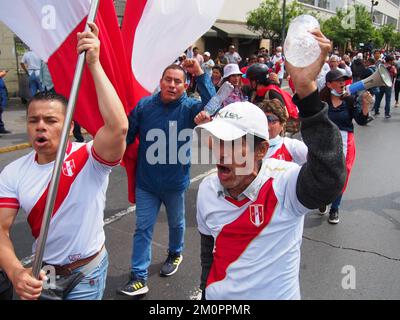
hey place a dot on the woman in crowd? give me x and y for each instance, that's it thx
(234, 76)
(216, 77)
(281, 147)
(342, 111)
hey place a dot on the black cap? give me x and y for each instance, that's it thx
(334, 75)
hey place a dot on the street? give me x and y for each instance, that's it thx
(364, 245)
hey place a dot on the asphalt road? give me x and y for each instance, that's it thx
(366, 241)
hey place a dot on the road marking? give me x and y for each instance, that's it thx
(28, 260)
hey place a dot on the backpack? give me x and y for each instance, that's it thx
(287, 98)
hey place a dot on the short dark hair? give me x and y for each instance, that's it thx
(174, 67)
(219, 68)
(48, 96)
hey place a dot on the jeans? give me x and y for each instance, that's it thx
(387, 91)
(396, 90)
(336, 203)
(3, 103)
(34, 84)
(147, 208)
(92, 286)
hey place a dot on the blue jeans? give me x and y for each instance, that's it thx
(3, 102)
(147, 208)
(387, 91)
(336, 203)
(34, 84)
(91, 286)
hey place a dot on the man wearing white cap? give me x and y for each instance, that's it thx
(251, 214)
(232, 55)
(208, 64)
(234, 76)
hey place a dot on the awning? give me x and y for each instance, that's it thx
(235, 30)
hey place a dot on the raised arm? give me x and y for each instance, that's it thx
(109, 142)
(322, 177)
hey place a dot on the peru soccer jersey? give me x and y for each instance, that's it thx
(256, 240)
(289, 150)
(76, 227)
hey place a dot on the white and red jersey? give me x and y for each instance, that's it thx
(76, 228)
(283, 148)
(256, 240)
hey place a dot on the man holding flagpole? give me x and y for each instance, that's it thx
(75, 242)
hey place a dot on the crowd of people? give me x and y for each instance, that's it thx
(250, 214)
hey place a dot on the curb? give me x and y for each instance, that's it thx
(15, 147)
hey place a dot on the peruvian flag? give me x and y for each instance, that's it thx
(154, 33)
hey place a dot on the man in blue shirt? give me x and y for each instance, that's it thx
(164, 123)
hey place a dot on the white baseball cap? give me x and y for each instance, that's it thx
(230, 69)
(207, 54)
(236, 120)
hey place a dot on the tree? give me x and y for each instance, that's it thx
(352, 24)
(387, 33)
(267, 18)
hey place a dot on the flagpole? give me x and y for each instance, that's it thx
(55, 178)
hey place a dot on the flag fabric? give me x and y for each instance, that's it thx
(49, 28)
(153, 34)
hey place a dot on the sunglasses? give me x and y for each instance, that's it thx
(272, 118)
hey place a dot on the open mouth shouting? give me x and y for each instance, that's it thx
(41, 141)
(224, 172)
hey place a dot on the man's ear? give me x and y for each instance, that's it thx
(186, 86)
(261, 150)
(71, 130)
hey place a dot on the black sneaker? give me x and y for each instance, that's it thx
(387, 116)
(4, 131)
(333, 216)
(171, 265)
(134, 287)
(377, 113)
(322, 210)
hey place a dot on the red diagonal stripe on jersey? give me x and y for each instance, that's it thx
(282, 154)
(10, 203)
(36, 215)
(235, 237)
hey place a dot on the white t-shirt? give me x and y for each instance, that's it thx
(281, 72)
(32, 61)
(284, 148)
(76, 228)
(257, 240)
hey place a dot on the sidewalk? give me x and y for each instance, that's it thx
(14, 118)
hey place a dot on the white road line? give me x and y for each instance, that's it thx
(28, 260)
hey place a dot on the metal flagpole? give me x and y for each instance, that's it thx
(55, 178)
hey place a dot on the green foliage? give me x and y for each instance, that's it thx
(351, 25)
(267, 18)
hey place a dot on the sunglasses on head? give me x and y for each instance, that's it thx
(272, 118)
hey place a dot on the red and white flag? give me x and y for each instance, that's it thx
(154, 34)
(49, 28)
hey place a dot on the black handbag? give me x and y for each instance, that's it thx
(6, 287)
(64, 285)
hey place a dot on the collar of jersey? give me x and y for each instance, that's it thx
(251, 192)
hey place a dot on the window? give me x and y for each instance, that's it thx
(378, 17)
(310, 2)
(325, 4)
(392, 21)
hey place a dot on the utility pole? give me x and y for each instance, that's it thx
(283, 35)
(374, 3)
